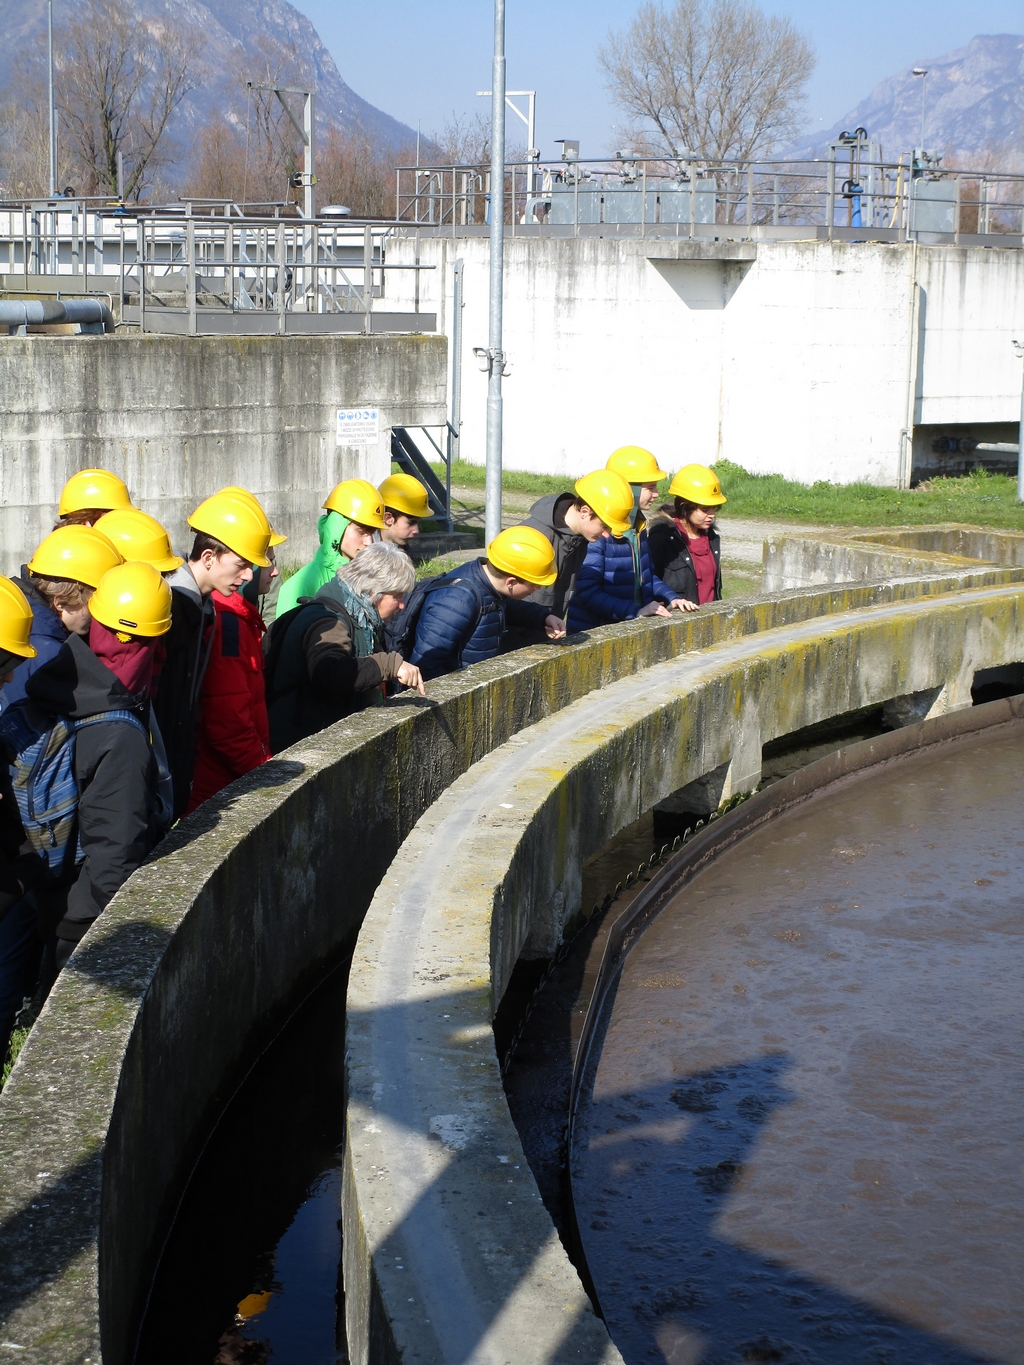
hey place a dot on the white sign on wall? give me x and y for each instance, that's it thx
(358, 426)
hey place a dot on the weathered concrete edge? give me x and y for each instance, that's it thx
(794, 560)
(425, 1101)
(143, 1036)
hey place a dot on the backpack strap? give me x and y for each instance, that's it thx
(282, 630)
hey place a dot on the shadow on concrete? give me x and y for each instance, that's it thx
(277, 772)
(653, 1175)
(662, 1166)
(123, 961)
(50, 1229)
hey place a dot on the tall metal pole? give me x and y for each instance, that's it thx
(53, 120)
(1018, 346)
(495, 355)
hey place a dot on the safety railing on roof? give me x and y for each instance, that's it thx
(846, 197)
(207, 269)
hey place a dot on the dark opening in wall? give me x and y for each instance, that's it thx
(956, 448)
(990, 684)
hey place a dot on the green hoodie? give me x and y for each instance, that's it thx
(321, 568)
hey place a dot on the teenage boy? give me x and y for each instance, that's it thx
(232, 535)
(405, 505)
(464, 616)
(572, 521)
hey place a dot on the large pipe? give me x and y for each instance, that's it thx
(495, 355)
(91, 313)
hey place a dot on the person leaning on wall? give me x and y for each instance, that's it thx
(327, 656)
(469, 610)
(685, 547)
(353, 510)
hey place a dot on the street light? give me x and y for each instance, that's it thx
(922, 72)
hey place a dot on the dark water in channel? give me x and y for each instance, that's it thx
(803, 1142)
(251, 1271)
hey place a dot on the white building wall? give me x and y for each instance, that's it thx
(800, 358)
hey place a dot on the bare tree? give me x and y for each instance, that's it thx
(713, 79)
(118, 83)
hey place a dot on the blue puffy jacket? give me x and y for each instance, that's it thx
(47, 635)
(463, 624)
(604, 585)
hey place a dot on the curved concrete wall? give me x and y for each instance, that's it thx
(449, 1255)
(195, 962)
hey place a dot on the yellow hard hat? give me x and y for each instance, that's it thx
(610, 496)
(15, 620)
(93, 488)
(698, 484)
(524, 552)
(238, 523)
(139, 536)
(234, 491)
(636, 465)
(80, 553)
(133, 599)
(403, 493)
(357, 500)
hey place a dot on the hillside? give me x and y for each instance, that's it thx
(230, 29)
(974, 105)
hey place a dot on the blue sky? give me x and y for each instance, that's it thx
(418, 59)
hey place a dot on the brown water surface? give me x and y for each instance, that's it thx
(803, 1139)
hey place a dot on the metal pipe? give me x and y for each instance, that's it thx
(1018, 346)
(455, 420)
(17, 314)
(495, 355)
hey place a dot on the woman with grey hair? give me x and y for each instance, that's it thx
(327, 657)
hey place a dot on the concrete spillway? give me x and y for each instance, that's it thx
(798, 1135)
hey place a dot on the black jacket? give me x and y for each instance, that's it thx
(115, 772)
(317, 672)
(178, 688)
(548, 516)
(671, 559)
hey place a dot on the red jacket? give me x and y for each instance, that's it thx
(234, 734)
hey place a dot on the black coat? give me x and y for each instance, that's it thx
(178, 688)
(671, 560)
(547, 515)
(115, 772)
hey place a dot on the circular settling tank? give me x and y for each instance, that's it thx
(799, 1135)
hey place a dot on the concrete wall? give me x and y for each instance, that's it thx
(802, 358)
(802, 561)
(448, 1253)
(180, 417)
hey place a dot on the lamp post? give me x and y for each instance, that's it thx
(495, 355)
(1018, 346)
(53, 120)
(921, 72)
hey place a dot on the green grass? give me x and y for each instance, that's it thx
(979, 498)
(439, 565)
(466, 475)
(18, 1037)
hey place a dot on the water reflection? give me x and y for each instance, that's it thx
(251, 1271)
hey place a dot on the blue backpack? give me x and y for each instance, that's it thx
(41, 752)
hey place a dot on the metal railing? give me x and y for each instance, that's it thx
(911, 198)
(200, 268)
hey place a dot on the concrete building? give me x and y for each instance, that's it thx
(813, 359)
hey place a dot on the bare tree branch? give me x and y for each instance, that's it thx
(715, 79)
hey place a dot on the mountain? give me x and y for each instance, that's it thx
(230, 28)
(974, 105)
